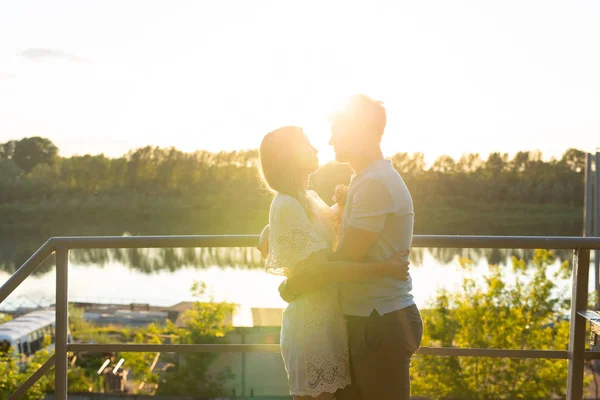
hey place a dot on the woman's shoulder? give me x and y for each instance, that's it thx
(285, 202)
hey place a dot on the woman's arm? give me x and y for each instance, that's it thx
(318, 271)
(338, 208)
(263, 242)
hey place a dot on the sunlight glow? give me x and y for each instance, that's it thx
(217, 77)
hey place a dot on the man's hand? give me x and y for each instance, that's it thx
(399, 266)
(284, 292)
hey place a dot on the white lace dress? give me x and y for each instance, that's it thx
(314, 339)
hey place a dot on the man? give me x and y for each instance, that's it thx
(384, 324)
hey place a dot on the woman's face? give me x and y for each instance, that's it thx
(306, 155)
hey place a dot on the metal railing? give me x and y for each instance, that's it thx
(576, 353)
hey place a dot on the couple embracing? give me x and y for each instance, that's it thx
(351, 326)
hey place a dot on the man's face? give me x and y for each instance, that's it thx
(344, 142)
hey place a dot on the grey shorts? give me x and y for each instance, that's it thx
(381, 347)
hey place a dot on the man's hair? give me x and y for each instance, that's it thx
(362, 111)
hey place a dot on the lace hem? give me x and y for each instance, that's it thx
(316, 393)
(324, 374)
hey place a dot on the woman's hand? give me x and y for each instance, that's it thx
(285, 293)
(398, 266)
(339, 196)
(263, 242)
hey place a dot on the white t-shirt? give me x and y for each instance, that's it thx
(379, 201)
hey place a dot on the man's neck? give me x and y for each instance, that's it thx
(365, 160)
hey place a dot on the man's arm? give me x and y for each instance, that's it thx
(371, 205)
(355, 245)
(319, 270)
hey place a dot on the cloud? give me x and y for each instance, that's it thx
(7, 75)
(39, 54)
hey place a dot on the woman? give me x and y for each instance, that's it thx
(302, 233)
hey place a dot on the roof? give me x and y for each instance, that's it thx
(267, 316)
(181, 306)
(26, 324)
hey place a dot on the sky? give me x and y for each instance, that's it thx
(455, 76)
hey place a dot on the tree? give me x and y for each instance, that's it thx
(29, 152)
(496, 163)
(444, 164)
(9, 170)
(469, 163)
(409, 166)
(77, 321)
(204, 323)
(141, 363)
(7, 150)
(574, 159)
(521, 161)
(11, 375)
(165, 190)
(497, 314)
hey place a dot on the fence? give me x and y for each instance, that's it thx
(576, 353)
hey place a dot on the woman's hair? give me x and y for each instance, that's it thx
(280, 164)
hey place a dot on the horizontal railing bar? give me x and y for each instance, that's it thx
(274, 348)
(439, 241)
(21, 390)
(506, 242)
(133, 242)
(436, 241)
(174, 348)
(592, 355)
(26, 269)
(492, 353)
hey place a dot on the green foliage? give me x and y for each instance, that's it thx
(190, 373)
(77, 322)
(165, 191)
(232, 177)
(31, 151)
(9, 170)
(156, 190)
(525, 314)
(13, 375)
(186, 374)
(140, 363)
(11, 378)
(4, 318)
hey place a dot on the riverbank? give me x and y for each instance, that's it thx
(145, 215)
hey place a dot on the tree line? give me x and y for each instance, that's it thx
(153, 187)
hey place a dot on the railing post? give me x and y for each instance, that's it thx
(595, 211)
(577, 325)
(62, 321)
(588, 196)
